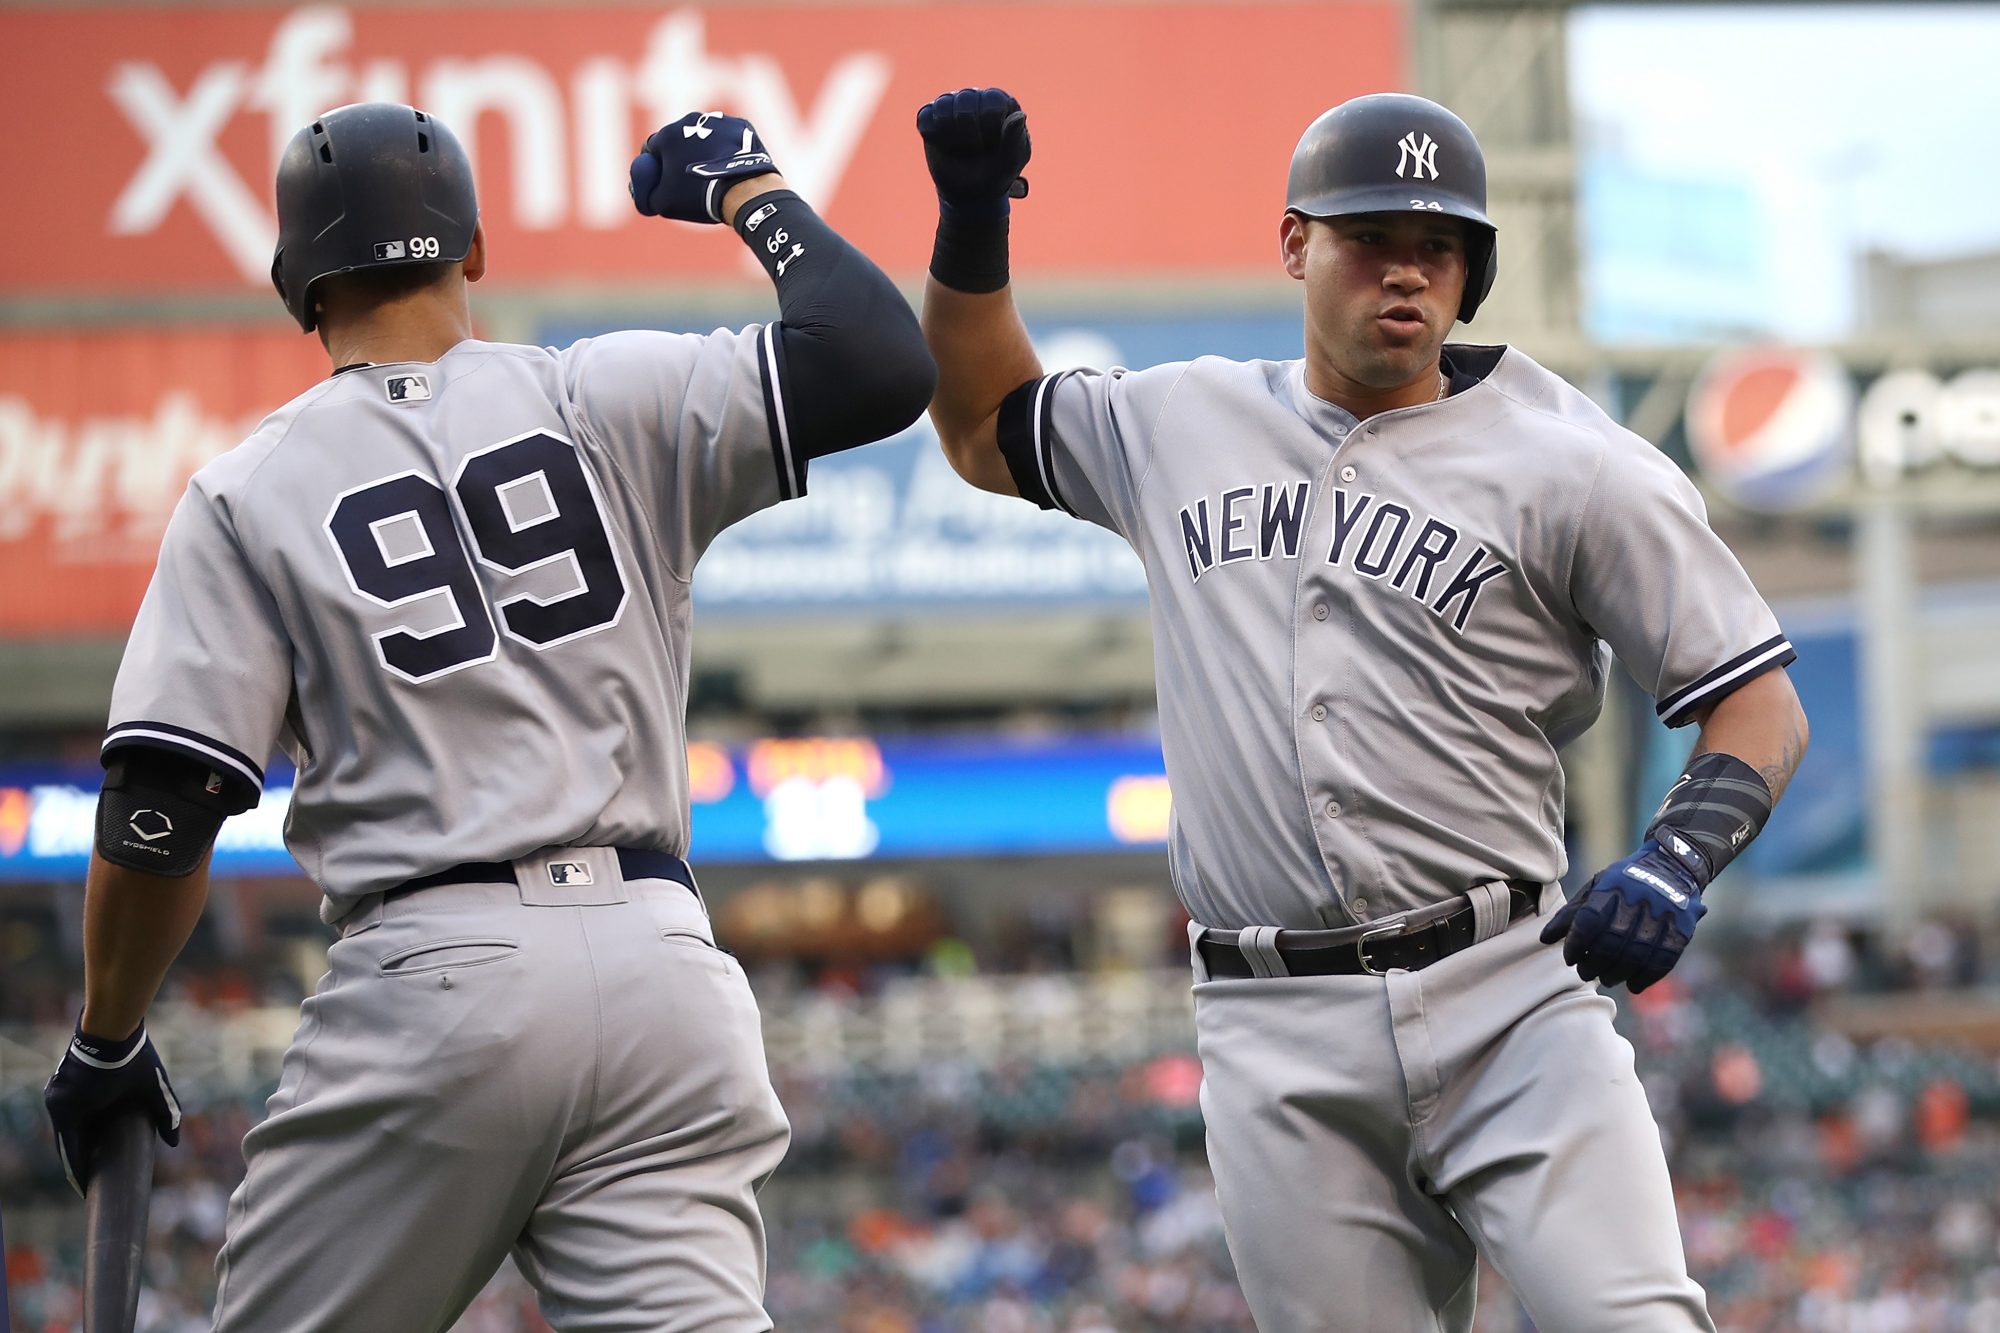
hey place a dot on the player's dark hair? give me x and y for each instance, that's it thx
(372, 286)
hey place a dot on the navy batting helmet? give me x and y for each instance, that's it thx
(371, 185)
(1395, 153)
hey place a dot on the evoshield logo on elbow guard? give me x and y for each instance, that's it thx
(150, 825)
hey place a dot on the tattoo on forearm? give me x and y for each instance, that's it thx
(1777, 775)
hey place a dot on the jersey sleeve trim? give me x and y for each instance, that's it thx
(1678, 709)
(166, 736)
(790, 463)
(1026, 432)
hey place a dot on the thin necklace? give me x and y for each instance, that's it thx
(1442, 383)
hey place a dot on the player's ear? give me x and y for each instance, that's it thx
(1292, 244)
(475, 258)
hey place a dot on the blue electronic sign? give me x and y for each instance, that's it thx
(812, 799)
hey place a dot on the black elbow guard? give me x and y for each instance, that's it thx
(841, 401)
(160, 812)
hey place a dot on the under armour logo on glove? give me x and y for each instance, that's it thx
(685, 175)
(1632, 921)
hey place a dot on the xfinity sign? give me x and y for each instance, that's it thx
(568, 139)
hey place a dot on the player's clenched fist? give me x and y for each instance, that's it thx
(975, 143)
(686, 167)
(1632, 921)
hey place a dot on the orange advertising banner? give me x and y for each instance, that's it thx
(99, 432)
(145, 138)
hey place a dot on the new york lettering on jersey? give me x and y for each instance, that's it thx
(1370, 536)
(1352, 618)
(1386, 582)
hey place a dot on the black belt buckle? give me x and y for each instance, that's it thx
(1387, 931)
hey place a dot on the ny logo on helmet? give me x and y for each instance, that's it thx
(1424, 154)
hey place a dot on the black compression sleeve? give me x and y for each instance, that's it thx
(853, 359)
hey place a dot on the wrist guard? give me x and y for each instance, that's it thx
(970, 255)
(1719, 805)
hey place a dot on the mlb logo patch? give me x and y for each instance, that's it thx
(407, 388)
(569, 873)
(389, 250)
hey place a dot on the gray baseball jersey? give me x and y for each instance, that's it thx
(458, 592)
(1372, 639)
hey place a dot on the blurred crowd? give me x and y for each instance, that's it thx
(1833, 1179)
(273, 946)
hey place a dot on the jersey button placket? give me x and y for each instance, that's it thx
(1322, 645)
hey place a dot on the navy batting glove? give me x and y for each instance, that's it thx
(975, 143)
(96, 1079)
(1632, 921)
(686, 167)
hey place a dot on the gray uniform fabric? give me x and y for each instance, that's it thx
(1371, 640)
(1369, 1136)
(458, 592)
(611, 465)
(487, 1070)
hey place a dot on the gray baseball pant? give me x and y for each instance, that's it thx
(574, 1075)
(1371, 1136)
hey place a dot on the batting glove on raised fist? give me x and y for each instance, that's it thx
(686, 167)
(1631, 921)
(975, 143)
(96, 1080)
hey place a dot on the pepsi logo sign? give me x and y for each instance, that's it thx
(1911, 419)
(1772, 428)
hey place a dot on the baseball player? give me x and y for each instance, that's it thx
(1383, 579)
(453, 578)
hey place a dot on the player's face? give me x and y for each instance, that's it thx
(1382, 290)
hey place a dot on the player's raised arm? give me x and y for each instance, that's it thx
(851, 362)
(975, 143)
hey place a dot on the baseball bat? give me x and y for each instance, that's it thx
(114, 1224)
(6, 1302)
